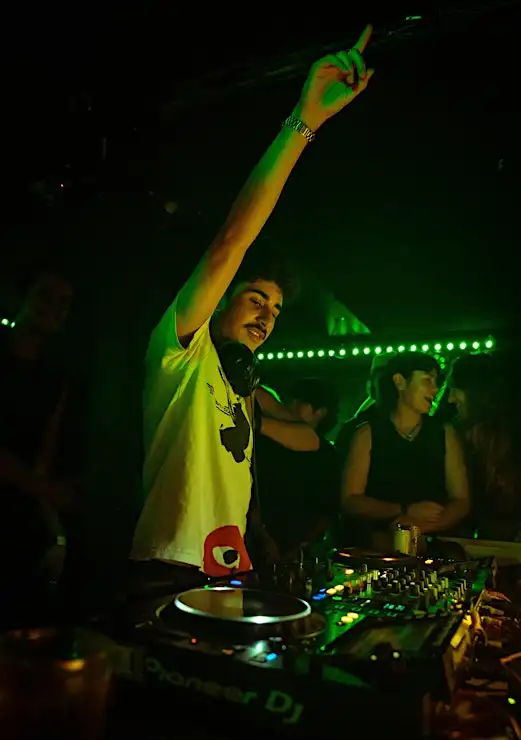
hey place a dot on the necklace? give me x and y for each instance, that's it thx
(412, 434)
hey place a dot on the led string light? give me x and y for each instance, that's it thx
(436, 347)
(6, 322)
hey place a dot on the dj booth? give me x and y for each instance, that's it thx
(357, 643)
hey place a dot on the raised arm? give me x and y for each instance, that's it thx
(332, 83)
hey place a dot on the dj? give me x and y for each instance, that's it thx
(404, 466)
(197, 423)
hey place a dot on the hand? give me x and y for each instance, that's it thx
(334, 82)
(427, 512)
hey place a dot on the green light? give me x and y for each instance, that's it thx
(511, 700)
(5, 322)
(357, 351)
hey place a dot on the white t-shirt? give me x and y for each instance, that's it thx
(198, 450)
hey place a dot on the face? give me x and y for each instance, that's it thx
(250, 316)
(459, 399)
(47, 304)
(419, 391)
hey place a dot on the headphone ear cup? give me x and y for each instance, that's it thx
(240, 367)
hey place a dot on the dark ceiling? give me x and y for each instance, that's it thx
(404, 207)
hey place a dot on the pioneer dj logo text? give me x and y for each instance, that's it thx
(277, 702)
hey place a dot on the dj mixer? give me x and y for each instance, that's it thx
(305, 643)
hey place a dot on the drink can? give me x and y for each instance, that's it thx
(406, 539)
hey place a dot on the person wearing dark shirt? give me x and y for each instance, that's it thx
(32, 398)
(404, 466)
(479, 389)
(299, 491)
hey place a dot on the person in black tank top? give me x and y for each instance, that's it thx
(404, 466)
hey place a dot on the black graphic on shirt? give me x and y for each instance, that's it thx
(235, 439)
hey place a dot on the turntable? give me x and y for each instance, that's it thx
(245, 614)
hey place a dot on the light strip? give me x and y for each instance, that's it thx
(344, 352)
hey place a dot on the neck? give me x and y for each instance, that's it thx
(27, 342)
(405, 418)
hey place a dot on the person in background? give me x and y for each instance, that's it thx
(480, 392)
(197, 415)
(299, 491)
(33, 391)
(404, 466)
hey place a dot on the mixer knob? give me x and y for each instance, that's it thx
(414, 590)
(433, 576)
(424, 601)
(377, 584)
(422, 574)
(363, 568)
(396, 587)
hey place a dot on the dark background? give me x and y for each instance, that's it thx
(403, 212)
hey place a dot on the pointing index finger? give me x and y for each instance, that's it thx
(364, 38)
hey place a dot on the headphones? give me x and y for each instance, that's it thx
(240, 367)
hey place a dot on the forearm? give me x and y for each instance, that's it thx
(200, 296)
(453, 513)
(296, 436)
(371, 508)
(263, 188)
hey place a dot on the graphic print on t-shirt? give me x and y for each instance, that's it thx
(234, 439)
(225, 552)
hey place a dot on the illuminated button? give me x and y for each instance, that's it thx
(347, 619)
(340, 587)
(352, 615)
(349, 571)
(331, 592)
(227, 651)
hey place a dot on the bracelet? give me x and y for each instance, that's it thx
(299, 126)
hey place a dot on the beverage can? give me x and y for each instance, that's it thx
(406, 539)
